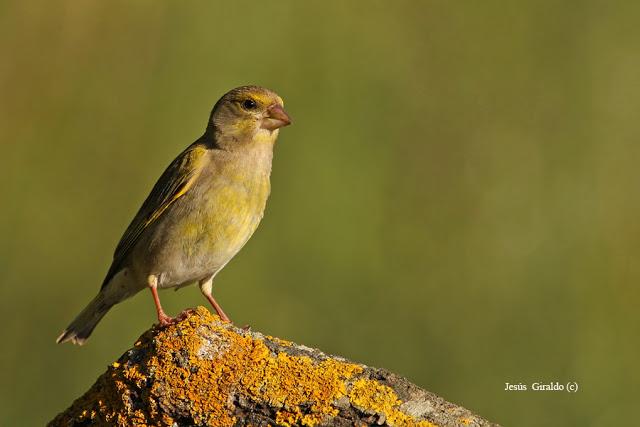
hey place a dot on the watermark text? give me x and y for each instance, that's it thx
(569, 387)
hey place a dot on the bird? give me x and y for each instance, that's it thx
(201, 211)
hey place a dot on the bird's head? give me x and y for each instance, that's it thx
(248, 114)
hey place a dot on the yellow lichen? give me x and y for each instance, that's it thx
(280, 341)
(370, 395)
(201, 386)
(288, 418)
(248, 368)
(199, 367)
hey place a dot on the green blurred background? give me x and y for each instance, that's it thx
(457, 200)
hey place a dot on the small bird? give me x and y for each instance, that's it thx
(200, 213)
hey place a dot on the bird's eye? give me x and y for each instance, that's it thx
(249, 104)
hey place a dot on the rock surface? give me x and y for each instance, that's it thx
(202, 372)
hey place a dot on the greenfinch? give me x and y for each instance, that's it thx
(200, 213)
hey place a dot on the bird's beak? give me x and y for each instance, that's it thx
(275, 118)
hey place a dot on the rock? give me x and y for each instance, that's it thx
(202, 372)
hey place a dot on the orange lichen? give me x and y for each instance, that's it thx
(288, 418)
(371, 396)
(280, 341)
(201, 371)
(200, 376)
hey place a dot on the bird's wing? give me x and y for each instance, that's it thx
(174, 183)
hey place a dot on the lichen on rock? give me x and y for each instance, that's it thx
(202, 372)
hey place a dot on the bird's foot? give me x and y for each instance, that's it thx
(164, 320)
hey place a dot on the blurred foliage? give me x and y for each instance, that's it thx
(457, 200)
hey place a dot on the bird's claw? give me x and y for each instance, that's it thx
(164, 320)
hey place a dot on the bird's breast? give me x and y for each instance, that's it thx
(210, 223)
(227, 213)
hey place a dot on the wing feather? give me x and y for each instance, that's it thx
(174, 183)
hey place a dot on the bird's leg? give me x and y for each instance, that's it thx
(163, 319)
(206, 286)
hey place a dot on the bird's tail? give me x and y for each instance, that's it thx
(82, 326)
